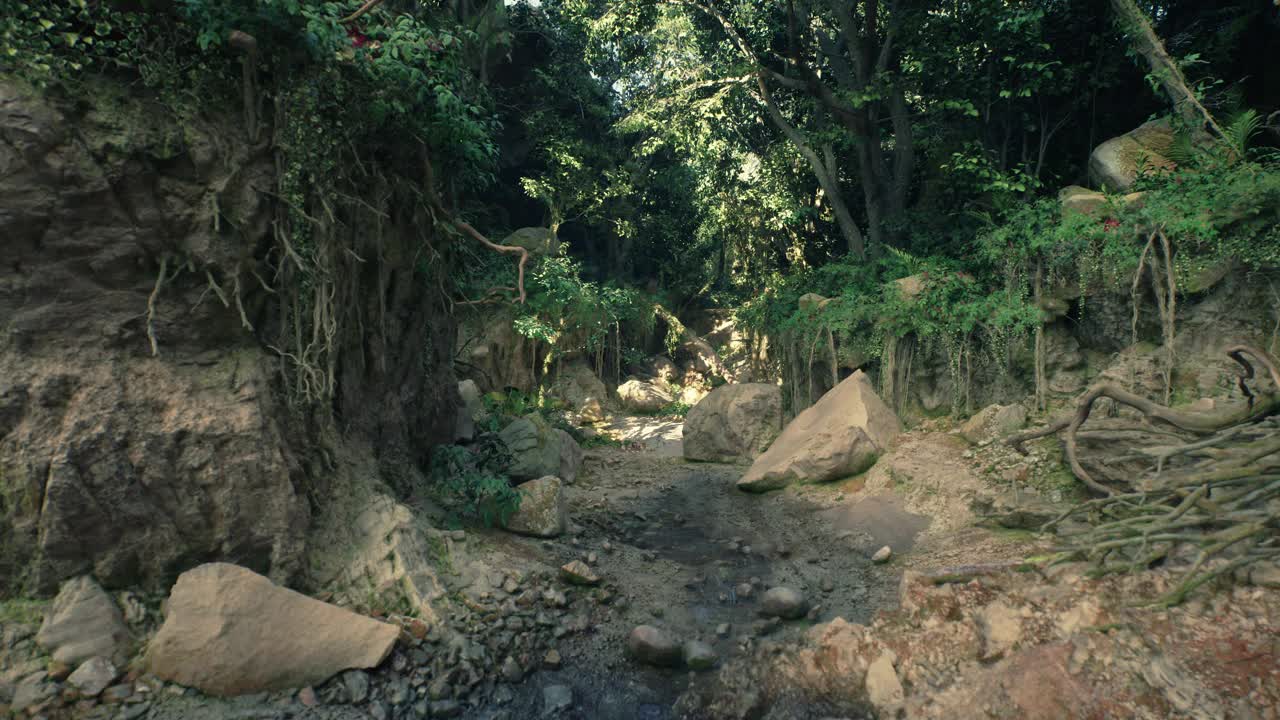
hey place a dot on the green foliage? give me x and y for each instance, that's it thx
(23, 611)
(564, 311)
(470, 481)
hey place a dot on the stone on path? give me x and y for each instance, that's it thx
(231, 631)
(840, 435)
(785, 603)
(579, 573)
(699, 655)
(882, 555)
(556, 698)
(82, 623)
(652, 646)
(542, 511)
(93, 676)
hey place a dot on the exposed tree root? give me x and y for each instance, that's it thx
(1205, 488)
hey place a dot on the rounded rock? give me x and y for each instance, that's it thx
(784, 602)
(652, 646)
(699, 655)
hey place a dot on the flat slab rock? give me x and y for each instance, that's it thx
(231, 631)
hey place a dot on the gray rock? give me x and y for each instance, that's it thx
(470, 410)
(445, 709)
(1117, 162)
(882, 555)
(539, 450)
(356, 683)
(557, 698)
(785, 603)
(398, 692)
(93, 676)
(30, 694)
(440, 689)
(134, 711)
(511, 670)
(652, 646)
(83, 623)
(379, 711)
(699, 655)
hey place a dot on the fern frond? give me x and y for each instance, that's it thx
(1241, 130)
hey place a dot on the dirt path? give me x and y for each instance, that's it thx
(678, 541)
(679, 547)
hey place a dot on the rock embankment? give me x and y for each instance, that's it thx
(1021, 644)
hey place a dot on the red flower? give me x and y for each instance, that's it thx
(358, 39)
(1110, 224)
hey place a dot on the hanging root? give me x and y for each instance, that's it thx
(151, 304)
(1208, 482)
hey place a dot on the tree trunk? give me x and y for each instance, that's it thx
(1137, 26)
(826, 173)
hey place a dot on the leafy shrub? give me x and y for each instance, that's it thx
(469, 480)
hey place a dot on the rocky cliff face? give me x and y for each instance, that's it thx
(1094, 339)
(124, 231)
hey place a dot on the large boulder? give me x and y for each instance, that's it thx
(645, 397)
(1116, 163)
(734, 422)
(582, 390)
(842, 434)
(231, 631)
(542, 511)
(84, 623)
(537, 450)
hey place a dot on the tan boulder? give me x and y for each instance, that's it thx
(813, 301)
(1116, 163)
(734, 422)
(645, 397)
(231, 631)
(542, 510)
(842, 434)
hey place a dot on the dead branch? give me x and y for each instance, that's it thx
(365, 8)
(437, 206)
